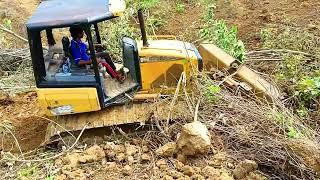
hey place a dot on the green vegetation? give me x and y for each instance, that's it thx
(154, 22)
(180, 7)
(6, 23)
(28, 172)
(288, 124)
(217, 32)
(299, 75)
(113, 31)
(308, 88)
(212, 92)
(146, 4)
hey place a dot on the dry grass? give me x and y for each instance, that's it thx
(16, 70)
(261, 132)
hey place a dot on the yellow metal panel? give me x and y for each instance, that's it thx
(163, 76)
(62, 101)
(172, 48)
(214, 57)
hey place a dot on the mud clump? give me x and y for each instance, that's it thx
(194, 139)
(188, 170)
(127, 170)
(162, 163)
(93, 154)
(131, 149)
(77, 174)
(72, 160)
(213, 173)
(125, 160)
(112, 166)
(244, 168)
(5, 100)
(218, 160)
(167, 150)
(145, 158)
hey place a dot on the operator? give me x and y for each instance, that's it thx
(79, 53)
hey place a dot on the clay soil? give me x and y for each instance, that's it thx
(17, 11)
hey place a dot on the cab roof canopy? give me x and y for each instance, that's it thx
(66, 13)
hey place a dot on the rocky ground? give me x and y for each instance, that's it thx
(190, 157)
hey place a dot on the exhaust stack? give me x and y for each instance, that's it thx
(142, 28)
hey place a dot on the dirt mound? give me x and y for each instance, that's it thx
(194, 139)
(25, 115)
(308, 151)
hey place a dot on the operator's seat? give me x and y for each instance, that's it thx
(67, 53)
(66, 45)
(67, 49)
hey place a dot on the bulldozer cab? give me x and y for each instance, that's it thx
(63, 87)
(151, 67)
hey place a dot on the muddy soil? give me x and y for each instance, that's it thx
(250, 16)
(17, 11)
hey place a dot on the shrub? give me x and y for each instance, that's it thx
(218, 33)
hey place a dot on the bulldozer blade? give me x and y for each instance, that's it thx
(214, 57)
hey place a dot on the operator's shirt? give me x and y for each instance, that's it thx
(79, 51)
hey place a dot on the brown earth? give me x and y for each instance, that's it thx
(25, 115)
(250, 16)
(17, 11)
(185, 26)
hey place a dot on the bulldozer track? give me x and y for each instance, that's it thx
(116, 115)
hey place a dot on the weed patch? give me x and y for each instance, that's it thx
(180, 7)
(217, 32)
(211, 93)
(298, 75)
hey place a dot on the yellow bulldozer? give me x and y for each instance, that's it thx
(81, 97)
